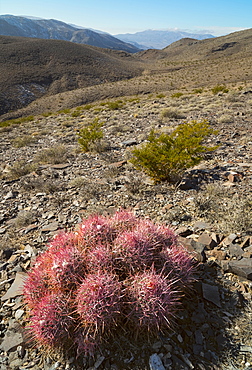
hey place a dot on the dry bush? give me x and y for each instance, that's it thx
(24, 218)
(54, 155)
(87, 188)
(19, 169)
(225, 118)
(233, 97)
(134, 184)
(229, 212)
(240, 336)
(47, 186)
(171, 113)
(22, 141)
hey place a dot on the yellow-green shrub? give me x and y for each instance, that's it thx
(90, 134)
(164, 157)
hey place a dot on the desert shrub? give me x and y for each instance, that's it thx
(90, 135)
(165, 157)
(19, 169)
(22, 141)
(198, 91)
(76, 113)
(54, 155)
(115, 105)
(16, 121)
(159, 96)
(171, 113)
(225, 118)
(177, 95)
(219, 88)
(112, 272)
(228, 212)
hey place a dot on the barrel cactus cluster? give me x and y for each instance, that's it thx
(110, 273)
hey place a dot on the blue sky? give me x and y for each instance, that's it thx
(115, 16)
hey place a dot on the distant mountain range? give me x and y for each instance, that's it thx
(11, 25)
(154, 39)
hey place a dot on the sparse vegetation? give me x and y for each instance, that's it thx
(173, 113)
(219, 89)
(164, 157)
(177, 95)
(16, 121)
(54, 155)
(90, 135)
(229, 212)
(24, 140)
(18, 169)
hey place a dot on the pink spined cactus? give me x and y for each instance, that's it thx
(67, 268)
(98, 301)
(140, 248)
(123, 221)
(94, 230)
(51, 321)
(98, 258)
(153, 301)
(85, 343)
(112, 271)
(180, 264)
(66, 239)
(132, 251)
(38, 281)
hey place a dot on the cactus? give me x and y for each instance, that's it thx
(50, 321)
(98, 301)
(153, 300)
(110, 272)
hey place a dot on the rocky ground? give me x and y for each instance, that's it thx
(49, 184)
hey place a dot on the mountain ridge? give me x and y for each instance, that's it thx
(158, 39)
(53, 29)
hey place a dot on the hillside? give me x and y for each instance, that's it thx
(48, 184)
(11, 25)
(31, 68)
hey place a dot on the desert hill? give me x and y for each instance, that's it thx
(33, 70)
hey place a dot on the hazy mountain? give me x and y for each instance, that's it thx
(153, 39)
(53, 29)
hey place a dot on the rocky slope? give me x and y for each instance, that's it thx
(49, 184)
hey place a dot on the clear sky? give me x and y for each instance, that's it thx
(114, 16)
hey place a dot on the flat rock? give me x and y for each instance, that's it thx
(201, 225)
(53, 226)
(235, 250)
(60, 166)
(211, 294)
(229, 239)
(207, 240)
(198, 249)
(155, 362)
(242, 267)
(11, 340)
(16, 287)
(129, 142)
